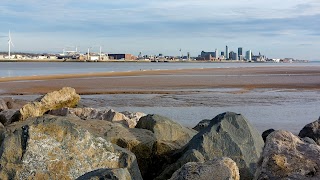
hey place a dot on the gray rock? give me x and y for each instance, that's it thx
(107, 174)
(51, 147)
(228, 135)
(285, 156)
(266, 133)
(308, 140)
(65, 97)
(6, 116)
(202, 125)
(312, 131)
(129, 119)
(216, 169)
(170, 135)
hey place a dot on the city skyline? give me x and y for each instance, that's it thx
(288, 30)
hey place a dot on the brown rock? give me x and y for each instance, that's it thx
(65, 97)
(52, 147)
(286, 156)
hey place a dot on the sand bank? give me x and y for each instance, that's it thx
(168, 81)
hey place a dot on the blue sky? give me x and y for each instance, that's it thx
(286, 28)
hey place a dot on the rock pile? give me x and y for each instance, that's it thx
(51, 139)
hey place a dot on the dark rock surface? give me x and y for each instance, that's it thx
(228, 135)
(107, 174)
(202, 125)
(311, 130)
(266, 133)
(286, 156)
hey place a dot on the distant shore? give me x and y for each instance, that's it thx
(168, 81)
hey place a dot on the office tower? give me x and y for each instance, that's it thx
(249, 55)
(240, 52)
(216, 54)
(227, 52)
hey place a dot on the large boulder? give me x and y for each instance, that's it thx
(286, 156)
(3, 105)
(65, 97)
(216, 169)
(170, 135)
(129, 119)
(312, 131)
(228, 135)
(51, 147)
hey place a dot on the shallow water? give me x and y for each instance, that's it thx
(264, 108)
(14, 69)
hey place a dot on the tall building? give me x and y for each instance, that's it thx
(216, 54)
(249, 55)
(227, 52)
(233, 56)
(240, 52)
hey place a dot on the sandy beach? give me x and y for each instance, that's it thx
(168, 81)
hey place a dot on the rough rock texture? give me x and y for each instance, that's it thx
(169, 134)
(216, 169)
(3, 105)
(6, 116)
(285, 156)
(202, 125)
(65, 97)
(228, 135)
(51, 147)
(107, 174)
(266, 133)
(127, 118)
(312, 131)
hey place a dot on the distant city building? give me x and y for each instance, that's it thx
(207, 55)
(249, 55)
(240, 52)
(227, 52)
(260, 58)
(233, 56)
(121, 57)
(222, 53)
(216, 54)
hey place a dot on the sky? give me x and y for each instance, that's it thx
(277, 29)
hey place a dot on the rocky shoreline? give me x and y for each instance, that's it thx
(52, 138)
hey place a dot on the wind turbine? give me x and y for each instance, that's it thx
(10, 44)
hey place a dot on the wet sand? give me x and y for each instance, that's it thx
(168, 81)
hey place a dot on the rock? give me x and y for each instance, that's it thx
(65, 97)
(107, 174)
(202, 125)
(51, 147)
(3, 105)
(266, 133)
(138, 141)
(216, 169)
(285, 156)
(228, 135)
(312, 131)
(6, 116)
(127, 118)
(169, 134)
(308, 140)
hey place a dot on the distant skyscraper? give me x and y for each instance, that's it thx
(233, 56)
(216, 54)
(227, 52)
(249, 55)
(222, 53)
(240, 51)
